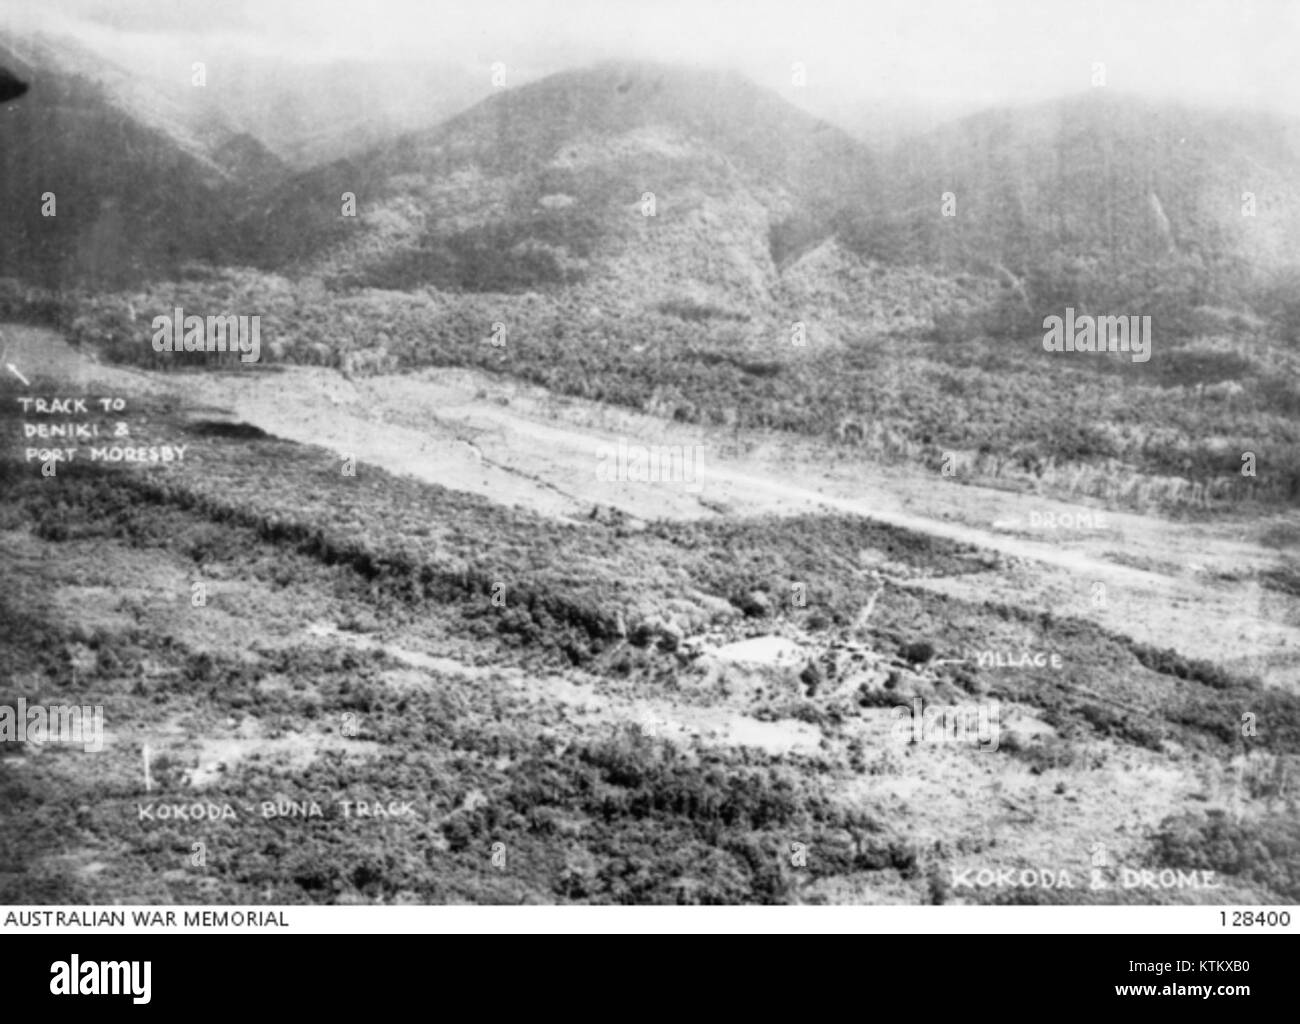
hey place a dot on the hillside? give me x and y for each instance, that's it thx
(544, 186)
(1100, 198)
(190, 117)
(136, 192)
(1100, 201)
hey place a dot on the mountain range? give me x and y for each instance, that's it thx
(634, 183)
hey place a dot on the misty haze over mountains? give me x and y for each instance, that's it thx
(268, 146)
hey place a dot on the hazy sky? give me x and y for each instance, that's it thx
(963, 52)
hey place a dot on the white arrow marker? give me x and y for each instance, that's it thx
(952, 661)
(148, 780)
(14, 370)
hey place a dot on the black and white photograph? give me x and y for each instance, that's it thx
(838, 455)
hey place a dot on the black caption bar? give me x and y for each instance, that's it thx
(336, 973)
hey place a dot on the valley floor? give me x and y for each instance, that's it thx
(613, 728)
